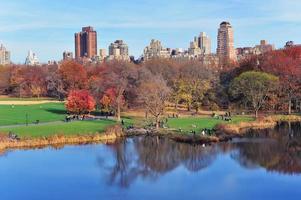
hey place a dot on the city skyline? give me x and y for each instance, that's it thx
(22, 27)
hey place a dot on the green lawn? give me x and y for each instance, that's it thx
(16, 114)
(72, 128)
(186, 124)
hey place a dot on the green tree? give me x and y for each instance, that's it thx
(254, 88)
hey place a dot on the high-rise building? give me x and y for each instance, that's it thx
(204, 43)
(4, 56)
(225, 43)
(156, 50)
(102, 54)
(67, 55)
(194, 49)
(86, 43)
(119, 51)
(32, 59)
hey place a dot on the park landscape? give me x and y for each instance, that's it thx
(150, 100)
(167, 97)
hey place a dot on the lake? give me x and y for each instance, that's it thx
(265, 165)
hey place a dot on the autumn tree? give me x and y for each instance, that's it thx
(119, 76)
(73, 76)
(80, 102)
(5, 75)
(254, 88)
(29, 81)
(153, 93)
(193, 81)
(286, 64)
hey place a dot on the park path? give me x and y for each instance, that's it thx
(48, 123)
(39, 124)
(24, 103)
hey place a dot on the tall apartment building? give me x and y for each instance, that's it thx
(204, 43)
(225, 43)
(86, 43)
(102, 54)
(156, 50)
(200, 46)
(32, 59)
(4, 56)
(67, 55)
(119, 51)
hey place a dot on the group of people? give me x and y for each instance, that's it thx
(226, 117)
(70, 118)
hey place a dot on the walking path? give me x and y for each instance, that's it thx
(51, 123)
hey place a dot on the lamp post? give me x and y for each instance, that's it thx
(26, 119)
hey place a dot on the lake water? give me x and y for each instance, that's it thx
(263, 166)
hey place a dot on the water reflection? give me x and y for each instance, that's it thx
(151, 157)
(277, 150)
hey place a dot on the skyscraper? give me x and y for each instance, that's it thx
(204, 43)
(86, 43)
(32, 59)
(4, 56)
(225, 43)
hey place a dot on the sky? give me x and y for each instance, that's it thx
(47, 26)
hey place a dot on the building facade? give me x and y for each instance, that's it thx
(67, 55)
(156, 50)
(246, 52)
(263, 47)
(31, 59)
(204, 43)
(4, 56)
(225, 43)
(119, 51)
(102, 54)
(86, 43)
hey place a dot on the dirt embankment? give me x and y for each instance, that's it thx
(261, 123)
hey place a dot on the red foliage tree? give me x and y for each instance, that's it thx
(286, 64)
(80, 102)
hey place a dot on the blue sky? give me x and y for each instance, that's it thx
(48, 26)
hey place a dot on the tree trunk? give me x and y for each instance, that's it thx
(290, 106)
(256, 113)
(118, 112)
(157, 123)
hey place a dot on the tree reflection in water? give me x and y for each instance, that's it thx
(277, 150)
(151, 157)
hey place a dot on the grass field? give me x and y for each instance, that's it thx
(71, 128)
(55, 113)
(10, 115)
(186, 124)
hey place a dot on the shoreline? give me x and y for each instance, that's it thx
(224, 133)
(109, 136)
